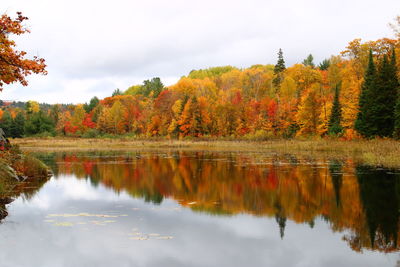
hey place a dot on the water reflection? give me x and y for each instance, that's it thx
(360, 201)
(10, 190)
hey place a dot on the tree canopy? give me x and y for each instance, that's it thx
(14, 67)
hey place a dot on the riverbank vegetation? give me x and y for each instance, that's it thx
(376, 152)
(17, 166)
(20, 173)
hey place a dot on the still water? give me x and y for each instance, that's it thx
(180, 208)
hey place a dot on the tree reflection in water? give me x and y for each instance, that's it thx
(360, 201)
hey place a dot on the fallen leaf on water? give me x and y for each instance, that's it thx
(164, 237)
(84, 214)
(63, 224)
(154, 234)
(135, 233)
(139, 238)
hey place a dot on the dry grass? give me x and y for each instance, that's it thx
(374, 152)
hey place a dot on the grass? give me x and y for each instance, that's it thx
(377, 152)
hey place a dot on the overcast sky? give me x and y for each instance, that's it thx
(93, 47)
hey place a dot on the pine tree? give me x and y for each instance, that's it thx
(396, 133)
(309, 61)
(387, 86)
(395, 86)
(17, 126)
(6, 122)
(365, 118)
(325, 64)
(396, 115)
(334, 125)
(278, 69)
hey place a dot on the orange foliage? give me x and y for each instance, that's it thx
(13, 64)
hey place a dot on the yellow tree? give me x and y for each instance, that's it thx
(32, 107)
(349, 95)
(309, 111)
(77, 118)
(176, 108)
(194, 118)
(104, 121)
(63, 122)
(117, 112)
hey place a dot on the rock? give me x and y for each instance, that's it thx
(6, 200)
(3, 212)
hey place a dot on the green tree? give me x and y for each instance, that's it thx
(325, 64)
(396, 133)
(17, 126)
(387, 85)
(309, 61)
(334, 125)
(278, 69)
(92, 104)
(365, 122)
(39, 123)
(117, 92)
(6, 123)
(152, 87)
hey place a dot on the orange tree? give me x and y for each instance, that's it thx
(14, 67)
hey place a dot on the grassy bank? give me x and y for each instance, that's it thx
(15, 166)
(19, 174)
(374, 152)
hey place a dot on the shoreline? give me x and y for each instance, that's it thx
(377, 152)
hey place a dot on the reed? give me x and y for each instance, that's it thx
(377, 152)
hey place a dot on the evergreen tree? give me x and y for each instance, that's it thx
(336, 171)
(334, 125)
(278, 69)
(39, 123)
(6, 122)
(385, 99)
(117, 92)
(17, 126)
(152, 87)
(396, 133)
(92, 104)
(309, 61)
(365, 122)
(324, 65)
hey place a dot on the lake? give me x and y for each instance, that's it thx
(183, 208)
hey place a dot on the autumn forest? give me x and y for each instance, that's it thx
(350, 95)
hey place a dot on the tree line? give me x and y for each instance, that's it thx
(354, 94)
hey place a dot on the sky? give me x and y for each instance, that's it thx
(94, 47)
